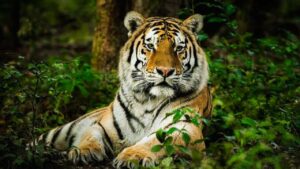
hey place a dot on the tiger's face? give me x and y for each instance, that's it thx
(162, 57)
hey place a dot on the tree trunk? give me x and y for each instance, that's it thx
(109, 34)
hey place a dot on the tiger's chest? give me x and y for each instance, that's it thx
(138, 120)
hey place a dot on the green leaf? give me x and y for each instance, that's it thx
(186, 138)
(248, 121)
(169, 114)
(230, 9)
(161, 135)
(166, 162)
(156, 148)
(172, 130)
(202, 37)
(195, 122)
(196, 155)
(216, 20)
(169, 140)
(83, 90)
(177, 116)
(183, 149)
(169, 149)
(205, 121)
(187, 117)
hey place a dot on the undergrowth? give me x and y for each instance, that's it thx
(255, 83)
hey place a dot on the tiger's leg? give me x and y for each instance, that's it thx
(76, 142)
(141, 151)
(84, 139)
(92, 146)
(96, 141)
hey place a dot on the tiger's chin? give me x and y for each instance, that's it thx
(162, 91)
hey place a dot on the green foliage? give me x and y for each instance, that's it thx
(56, 23)
(256, 101)
(168, 136)
(39, 96)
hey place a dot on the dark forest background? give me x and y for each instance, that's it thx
(58, 60)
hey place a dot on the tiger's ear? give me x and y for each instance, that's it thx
(194, 23)
(132, 21)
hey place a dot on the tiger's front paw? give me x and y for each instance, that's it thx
(132, 156)
(85, 155)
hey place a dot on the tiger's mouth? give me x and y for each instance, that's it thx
(162, 89)
(164, 84)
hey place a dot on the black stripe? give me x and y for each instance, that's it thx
(71, 141)
(137, 49)
(159, 109)
(195, 55)
(174, 30)
(189, 63)
(188, 98)
(175, 33)
(70, 130)
(55, 136)
(155, 29)
(175, 26)
(136, 63)
(120, 135)
(107, 138)
(94, 158)
(131, 49)
(185, 94)
(156, 32)
(130, 52)
(158, 23)
(109, 153)
(127, 112)
(149, 111)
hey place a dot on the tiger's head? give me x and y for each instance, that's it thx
(162, 57)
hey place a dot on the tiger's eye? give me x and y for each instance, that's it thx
(179, 48)
(150, 46)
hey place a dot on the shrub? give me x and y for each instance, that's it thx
(38, 96)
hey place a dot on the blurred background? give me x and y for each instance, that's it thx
(58, 60)
(37, 29)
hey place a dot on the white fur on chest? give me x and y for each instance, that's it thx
(149, 114)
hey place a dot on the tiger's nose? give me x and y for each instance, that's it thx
(165, 72)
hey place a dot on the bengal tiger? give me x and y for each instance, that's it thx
(161, 68)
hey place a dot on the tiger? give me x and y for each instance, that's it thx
(161, 68)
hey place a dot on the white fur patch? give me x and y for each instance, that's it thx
(162, 91)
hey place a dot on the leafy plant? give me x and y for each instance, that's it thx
(167, 136)
(39, 96)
